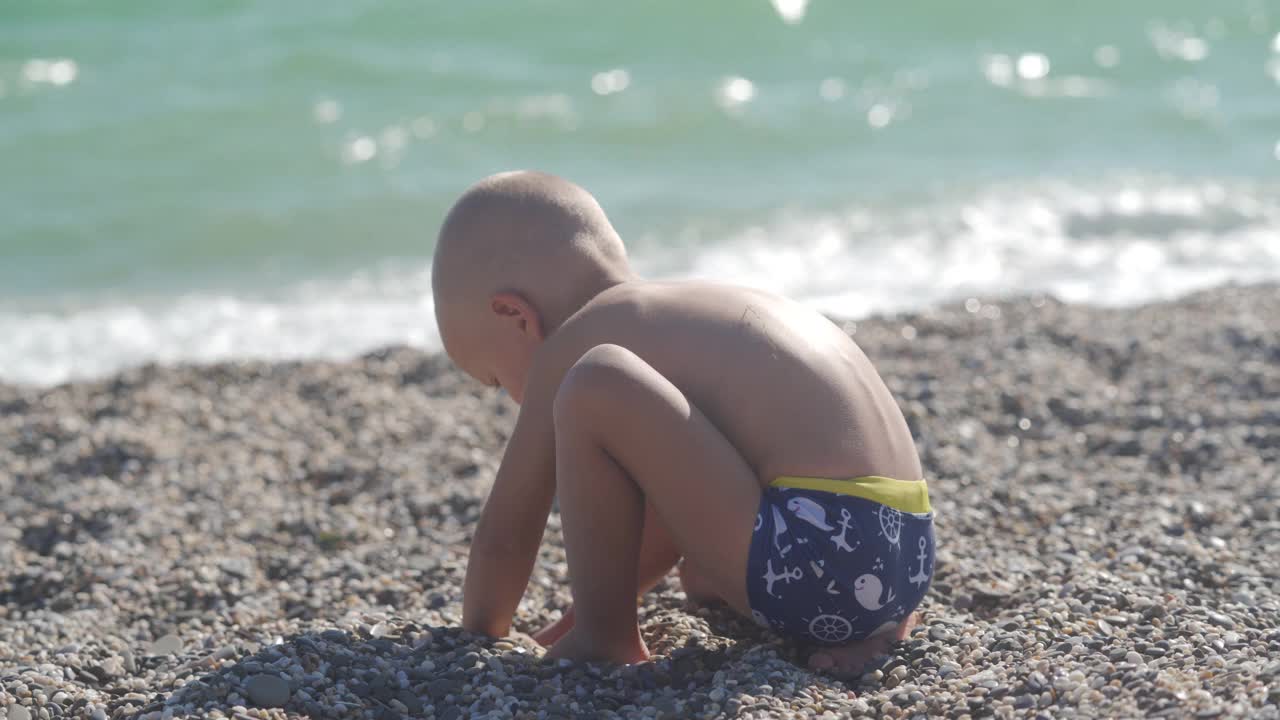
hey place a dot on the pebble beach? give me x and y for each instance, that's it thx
(288, 539)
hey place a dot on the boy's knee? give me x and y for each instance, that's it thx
(598, 379)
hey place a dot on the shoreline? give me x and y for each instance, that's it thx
(1106, 482)
(81, 344)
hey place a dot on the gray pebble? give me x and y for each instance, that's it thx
(165, 645)
(267, 690)
(1221, 620)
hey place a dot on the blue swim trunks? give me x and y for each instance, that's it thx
(835, 561)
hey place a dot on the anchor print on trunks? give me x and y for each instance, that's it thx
(779, 527)
(867, 589)
(921, 577)
(787, 575)
(759, 522)
(846, 522)
(809, 511)
(890, 524)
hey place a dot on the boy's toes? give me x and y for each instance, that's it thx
(848, 661)
(821, 661)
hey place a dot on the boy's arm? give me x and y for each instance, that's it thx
(505, 544)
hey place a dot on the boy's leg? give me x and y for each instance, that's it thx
(696, 588)
(625, 434)
(658, 554)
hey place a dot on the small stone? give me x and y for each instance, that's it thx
(438, 689)
(112, 667)
(267, 690)
(411, 701)
(1037, 681)
(1133, 658)
(18, 712)
(1221, 620)
(99, 713)
(165, 645)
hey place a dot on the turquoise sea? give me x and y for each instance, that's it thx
(200, 181)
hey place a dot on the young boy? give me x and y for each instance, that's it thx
(729, 427)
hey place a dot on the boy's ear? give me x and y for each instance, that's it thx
(519, 311)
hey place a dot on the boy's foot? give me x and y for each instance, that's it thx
(576, 646)
(848, 661)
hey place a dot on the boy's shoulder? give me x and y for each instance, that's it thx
(673, 301)
(679, 318)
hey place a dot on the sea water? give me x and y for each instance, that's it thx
(202, 181)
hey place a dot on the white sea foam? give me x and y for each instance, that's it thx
(1123, 244)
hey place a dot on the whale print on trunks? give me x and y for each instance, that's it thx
(867, 589)
(809, 511)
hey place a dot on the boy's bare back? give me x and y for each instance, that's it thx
(792, 392)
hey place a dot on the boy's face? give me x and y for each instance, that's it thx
(495, 351)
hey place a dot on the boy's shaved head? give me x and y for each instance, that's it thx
(529, 233)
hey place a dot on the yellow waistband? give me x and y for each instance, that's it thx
(906, 495)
